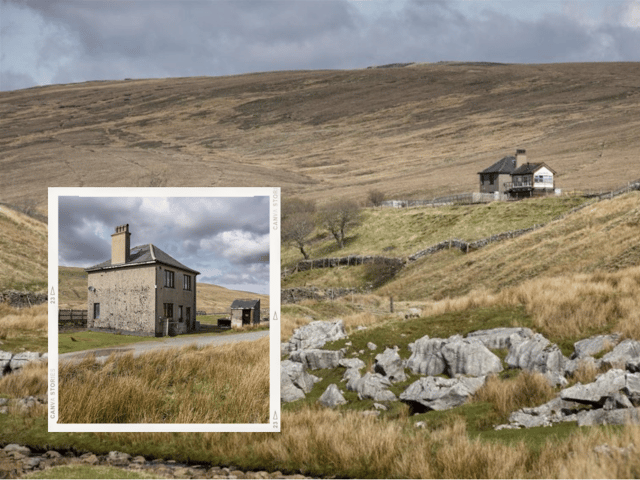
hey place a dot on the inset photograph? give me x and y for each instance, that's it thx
(164, 309)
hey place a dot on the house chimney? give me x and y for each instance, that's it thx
(521, 157)
(120, 245)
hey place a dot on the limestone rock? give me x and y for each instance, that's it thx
(20, 359)
(351, 375)
(315, 335)
(332, 397)
(626, 351)
(469, 356)
(537, 354)
(436, 393)
(351, 363)
(390, 365)
(622, 416)
(594, 345)
(596, 393)
(501, 337)
(371, 346)
(315, 359)
(295, 381)
(374, 386)
(426, 357)
(118, 458)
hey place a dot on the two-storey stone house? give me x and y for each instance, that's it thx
(141, 291)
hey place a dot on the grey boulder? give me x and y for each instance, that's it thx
(426, 357)
(501, 337)
(373, 386)
(625, 352)
(390, 365)
(594, 345)
(295, 381)
(537, 354)
(315, 359)
(470, 357)
(332, 397)
(315, 335)
(437, 393)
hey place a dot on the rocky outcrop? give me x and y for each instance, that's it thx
(594, 345)
(501, 337)
(470, 357)
(295, 381)
(10, 362)
(537, 354)
(437, 393)
(373, 386)
(627, 351)
(332, 397)
(315, 335)
(390, 365)
(316, 359)
(453, 356)
(426, 357)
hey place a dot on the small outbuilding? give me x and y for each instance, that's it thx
(245, 312)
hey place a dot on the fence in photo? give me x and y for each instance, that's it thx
(72, 318)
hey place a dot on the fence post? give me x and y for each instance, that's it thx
(391, 303)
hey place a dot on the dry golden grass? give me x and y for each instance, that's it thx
(30, 380)
(23, 251)
(187, 385)
(326, 134)
(15, 321)
(528, 389)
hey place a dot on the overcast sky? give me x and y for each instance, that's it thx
(60, 41)
(225, 239)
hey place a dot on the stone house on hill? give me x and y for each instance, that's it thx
(245, 312)
(513, 176)
(141, 291)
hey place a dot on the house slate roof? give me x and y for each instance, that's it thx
(528, 168)
(142, 255)
(506, 166)
(244, 304)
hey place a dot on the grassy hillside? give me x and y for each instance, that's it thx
(421, 130)
(23, 251)
(211, 298)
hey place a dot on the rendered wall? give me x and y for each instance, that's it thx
(126, 297)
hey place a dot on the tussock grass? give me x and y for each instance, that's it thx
(215, 384)
(30, 380)
(527, 389)
(23, 328)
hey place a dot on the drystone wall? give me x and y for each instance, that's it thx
(22, 299)
(294, 295)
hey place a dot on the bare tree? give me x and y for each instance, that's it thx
(375, 197)
(338, 217)
(298, 222)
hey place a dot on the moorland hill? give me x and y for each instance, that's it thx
(419, 130)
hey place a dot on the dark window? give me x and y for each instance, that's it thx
(180, 313)
(490, 179)
(169, 279)
(188, 318)
(96, 310)
(168, 310)
(186, 284)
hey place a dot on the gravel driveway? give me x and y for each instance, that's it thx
(171, 342)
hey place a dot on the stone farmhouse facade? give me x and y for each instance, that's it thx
(245, 312)
(514, 177)
(141, 291)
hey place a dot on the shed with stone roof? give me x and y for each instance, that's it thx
(141, 291)
(245, 312)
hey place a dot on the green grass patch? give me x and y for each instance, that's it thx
(29, 342)
(87, 471)
(87, 340)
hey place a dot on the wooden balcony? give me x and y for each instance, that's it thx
(517, 186)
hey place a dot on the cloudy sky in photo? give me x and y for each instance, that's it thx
(226, 239)
(49, 42)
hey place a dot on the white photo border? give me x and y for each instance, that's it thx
(273, 193)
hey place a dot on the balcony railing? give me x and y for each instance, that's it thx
(518, 185)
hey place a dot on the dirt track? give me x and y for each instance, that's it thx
(172, 342)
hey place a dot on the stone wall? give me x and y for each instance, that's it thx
(294, 295)
(22, 299)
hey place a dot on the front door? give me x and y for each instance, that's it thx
(246, 317)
